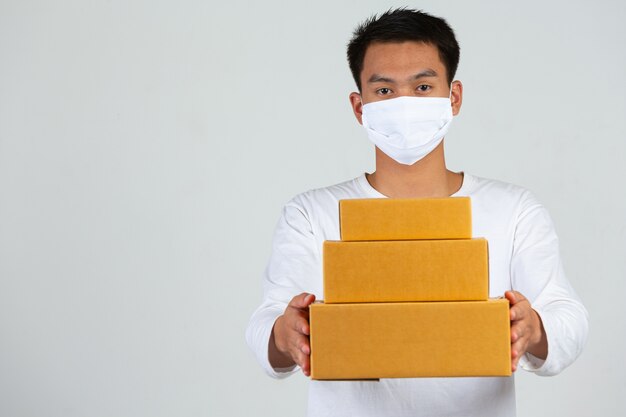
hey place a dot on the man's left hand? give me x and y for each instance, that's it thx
(527, 333)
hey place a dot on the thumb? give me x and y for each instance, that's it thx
(303, 300)
(511, 296)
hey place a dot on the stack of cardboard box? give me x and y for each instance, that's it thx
(406, 295)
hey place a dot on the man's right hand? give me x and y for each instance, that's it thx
(289, 342)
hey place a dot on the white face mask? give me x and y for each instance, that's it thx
(407, 128)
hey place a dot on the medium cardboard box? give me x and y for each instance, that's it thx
(406, 270)
(405, 218)
(405, 340)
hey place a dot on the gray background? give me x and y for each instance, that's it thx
(147, 147)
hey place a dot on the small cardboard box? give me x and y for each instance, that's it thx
(406, 270)
(405, 218)
(406, 340)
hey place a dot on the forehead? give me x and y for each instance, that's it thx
(408, 57)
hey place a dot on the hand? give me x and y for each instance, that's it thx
(527, 333)
(290, 335)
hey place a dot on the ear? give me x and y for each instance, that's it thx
(456, 97)
(357, 106)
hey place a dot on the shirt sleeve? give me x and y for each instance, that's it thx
(537, 272)
(293, 267)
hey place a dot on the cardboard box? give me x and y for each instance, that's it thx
(405, 340)
(405, 218)
(406, 270)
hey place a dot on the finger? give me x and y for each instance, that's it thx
(510, 295)
(518, 332)
(306, 329)
(300, 325)
(514, 336)
(302, 301)
(519, 297)
(301, 345)
(301, 358)
(306, 365)
(516, 362)
(514, 359)
(514, 297)
(298, 357)
(519, 311)
(518, 349)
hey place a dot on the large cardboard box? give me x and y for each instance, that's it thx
(405, 218)
(404, 340)
(406, 270)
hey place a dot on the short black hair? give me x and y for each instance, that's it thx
(400, 25)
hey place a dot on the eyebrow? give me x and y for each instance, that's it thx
(377, 78)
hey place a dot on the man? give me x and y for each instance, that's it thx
(404, 63)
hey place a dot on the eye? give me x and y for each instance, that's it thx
(423, 88)
(383, 91)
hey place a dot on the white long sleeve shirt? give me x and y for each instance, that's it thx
(523, 256)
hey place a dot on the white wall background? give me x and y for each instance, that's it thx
(146, 148)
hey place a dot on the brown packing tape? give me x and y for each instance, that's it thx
(405, 218)
(406, 340)
(406, 270)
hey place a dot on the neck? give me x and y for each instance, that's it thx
(428, 177)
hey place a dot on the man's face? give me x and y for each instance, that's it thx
(398, 69)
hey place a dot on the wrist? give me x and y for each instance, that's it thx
(278, 357)
(277, 334)
(538, 345)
